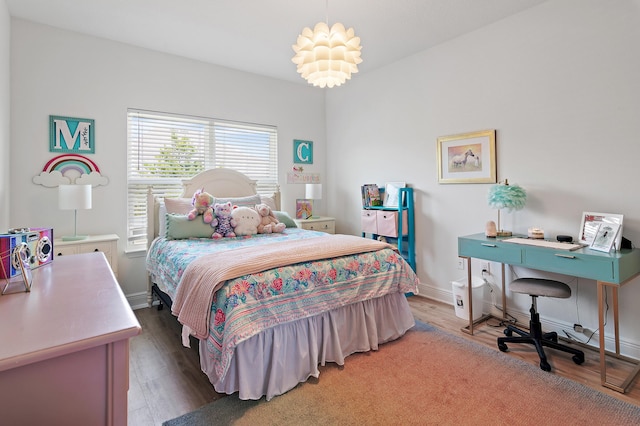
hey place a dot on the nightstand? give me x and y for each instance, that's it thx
(321, 223)
(108, 244)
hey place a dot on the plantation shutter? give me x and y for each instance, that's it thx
(164, 149)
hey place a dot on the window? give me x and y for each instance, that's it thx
(163, 149)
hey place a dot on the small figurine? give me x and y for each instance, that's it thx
(490, 229)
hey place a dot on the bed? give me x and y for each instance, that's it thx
(298, 299)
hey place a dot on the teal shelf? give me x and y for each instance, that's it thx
(406, 243)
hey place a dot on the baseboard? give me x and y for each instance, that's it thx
(138, 300)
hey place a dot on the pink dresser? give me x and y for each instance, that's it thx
(64, 347)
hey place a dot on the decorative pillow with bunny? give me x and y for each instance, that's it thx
(202, 205)
(223, 222)
(268, 221)
(247, 221)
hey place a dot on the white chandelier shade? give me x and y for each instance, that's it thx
(327, 57)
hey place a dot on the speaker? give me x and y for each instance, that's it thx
(39, 242)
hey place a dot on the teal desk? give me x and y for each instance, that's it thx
(608, 269)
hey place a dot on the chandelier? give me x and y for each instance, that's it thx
(327, 57)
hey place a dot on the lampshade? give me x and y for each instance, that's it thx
(327, 57)
(313, 191)
(505, 196)
(74, 197)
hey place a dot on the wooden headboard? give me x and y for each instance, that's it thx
(221, 183)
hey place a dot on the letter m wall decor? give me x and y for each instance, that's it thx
(67, 134)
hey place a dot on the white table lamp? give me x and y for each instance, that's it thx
(74, 197)
(313, 191)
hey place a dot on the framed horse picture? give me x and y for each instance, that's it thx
(467, 157)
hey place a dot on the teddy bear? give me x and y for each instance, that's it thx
(247, 221)
(223, 222)
(268, 221)
(201, 202)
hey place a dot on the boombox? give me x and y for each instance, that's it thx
(39, 244)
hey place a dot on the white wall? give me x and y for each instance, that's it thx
(5, 115)
(559, 83)
(56, 72)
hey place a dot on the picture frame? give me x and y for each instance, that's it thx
(467, 157)
(304, 208)
(302, 152)
(605, 236)
(392, 194)
(590, 223)
(72, 135)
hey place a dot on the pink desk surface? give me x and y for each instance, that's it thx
(75, 303)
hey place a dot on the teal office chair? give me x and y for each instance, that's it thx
(536, 287)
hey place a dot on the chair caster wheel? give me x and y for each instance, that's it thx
(544, 365)
(502, 347)
(578, 359)
(508, 332)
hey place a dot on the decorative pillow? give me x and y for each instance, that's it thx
(269, 202)
(284, 217)
(248, 201)
(178, 205)
(180, 227)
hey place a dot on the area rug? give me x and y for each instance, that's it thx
(427, 377)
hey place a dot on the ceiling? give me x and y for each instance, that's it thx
(256, 35)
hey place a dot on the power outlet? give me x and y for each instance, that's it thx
(484, 266)
(460, 263)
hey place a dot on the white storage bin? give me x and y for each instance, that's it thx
(461, 296)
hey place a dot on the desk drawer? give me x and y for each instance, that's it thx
(497, 252)
(569, 263)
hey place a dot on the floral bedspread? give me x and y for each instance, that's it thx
(168, 259)
(247, 305)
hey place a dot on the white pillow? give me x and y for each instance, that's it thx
(178, 205)
(162, 220)
(248, 201)
(269, 202)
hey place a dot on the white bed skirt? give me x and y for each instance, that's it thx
(276, 360)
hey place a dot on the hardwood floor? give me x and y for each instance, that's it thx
(165, 377)
(166, 381)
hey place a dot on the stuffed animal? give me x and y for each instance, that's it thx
(223, 223)
(268, 221)
(201, 202)
(247, 221)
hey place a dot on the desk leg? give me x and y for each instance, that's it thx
(470, 295)
(469, 329)
(504, 294)
(603, 364)
(616, 318)
(602, 291)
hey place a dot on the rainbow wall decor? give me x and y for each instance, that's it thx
(70, 169)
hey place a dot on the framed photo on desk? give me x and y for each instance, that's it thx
(605, 237)
(591, 222)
